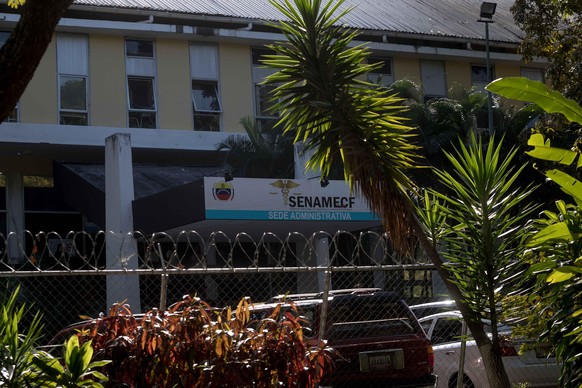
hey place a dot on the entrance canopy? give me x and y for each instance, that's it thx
(173, 199)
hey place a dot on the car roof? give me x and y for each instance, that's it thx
(442, 303)
(446, 314)
(502, 327)
(319, 295)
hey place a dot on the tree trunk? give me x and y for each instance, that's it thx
(22, 53)
(490, 353)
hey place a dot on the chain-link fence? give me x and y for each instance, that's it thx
(81, 274)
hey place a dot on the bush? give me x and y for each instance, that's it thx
(194, 345)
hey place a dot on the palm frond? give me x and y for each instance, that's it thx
(323, 100)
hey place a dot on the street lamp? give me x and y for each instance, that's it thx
(486, 16)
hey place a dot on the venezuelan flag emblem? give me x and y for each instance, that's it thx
(223, 191)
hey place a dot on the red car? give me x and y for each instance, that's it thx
(379, 339)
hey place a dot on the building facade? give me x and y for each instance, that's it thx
(160, 84)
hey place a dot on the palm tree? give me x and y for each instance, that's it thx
(265, 154)
(323, 100)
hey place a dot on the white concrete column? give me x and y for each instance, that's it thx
(121, 246)
(306, 281)
(209, 282)
(322, 260)
(15, 218)
(377, 253)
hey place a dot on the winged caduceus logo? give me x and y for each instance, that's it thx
(284, 185)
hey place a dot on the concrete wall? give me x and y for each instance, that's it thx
(235, 84)
(107, 82)
(174, 85)
(39, 102)
(108, 86)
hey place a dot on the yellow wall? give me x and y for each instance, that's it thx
(458, 73)
(107, 90)
(405, 67)
(173, 80)
(235, 84)
(506, 70)
(39, 103)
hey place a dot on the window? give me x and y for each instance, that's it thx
(141, 83)
(532, 74)
(72, 58)
(479, 77)
(139, 48)
(142, 106)
(205, 91)
(382, 75)
(446, 330)
(432, 76)
(265, 117)
(13, 117)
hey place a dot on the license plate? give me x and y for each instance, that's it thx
(381, 360)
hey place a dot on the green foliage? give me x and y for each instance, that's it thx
(479, 221)
(265, 154)
(16, 3)
(194, 345)
(78, 370)
(16, 348)
(324, 101)
(522, 89)
(557, 268)
(553, 30)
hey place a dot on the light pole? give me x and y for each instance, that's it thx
(486, 16)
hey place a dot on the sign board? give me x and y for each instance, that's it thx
(282, 200)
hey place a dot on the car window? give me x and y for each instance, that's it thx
(370, 319)
(426, 325)
(446, 330)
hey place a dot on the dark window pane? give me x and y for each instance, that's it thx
(73, 118)
(73, 93)
(4, 35)
(258, 55)
(266, 124)
(141, 93)
(139, 48)
(208, 122)
(205, 96)
(386, 65)
(479, 73)
(142, 120)
(13, 117)
(263, 100)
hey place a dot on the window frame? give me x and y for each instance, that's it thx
(141, 68)
(533, 69)
(431, 96)
(199, 113)
(477, 84)
(263, 121)
(65, 114)
(131, 110)
(129, 39)
(374, 76)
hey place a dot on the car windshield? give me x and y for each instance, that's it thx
(375, 319)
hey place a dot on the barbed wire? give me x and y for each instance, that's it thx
(190, 252)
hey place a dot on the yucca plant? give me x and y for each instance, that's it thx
(480, 221)
(17, 347)
(323, 100)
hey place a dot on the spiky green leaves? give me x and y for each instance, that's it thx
(485, 214)
(323, 99)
